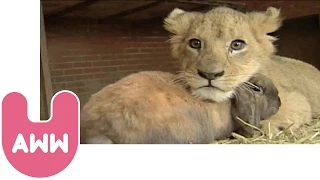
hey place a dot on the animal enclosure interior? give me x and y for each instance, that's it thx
(86, 45)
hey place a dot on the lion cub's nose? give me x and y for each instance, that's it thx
(210, 76)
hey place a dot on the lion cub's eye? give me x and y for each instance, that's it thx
(237, 45)
(195, 43)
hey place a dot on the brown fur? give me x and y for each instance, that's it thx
(296, 81)
(254, 104)
(147, 107)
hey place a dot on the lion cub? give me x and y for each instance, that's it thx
(254, 101)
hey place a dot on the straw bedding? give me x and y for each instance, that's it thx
(307, 134)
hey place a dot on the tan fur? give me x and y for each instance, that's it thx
(147, 107)
(151, 107)
(298, 82)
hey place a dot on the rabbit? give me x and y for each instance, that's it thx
(149, 107)
(254, 101)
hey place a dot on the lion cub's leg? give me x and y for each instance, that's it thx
(295, 111)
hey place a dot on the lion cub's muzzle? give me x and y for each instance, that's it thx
(210, 76)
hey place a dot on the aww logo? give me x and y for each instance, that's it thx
(40, 149)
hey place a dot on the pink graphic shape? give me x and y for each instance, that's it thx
(65, 108)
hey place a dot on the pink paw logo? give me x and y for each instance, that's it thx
(40, 149)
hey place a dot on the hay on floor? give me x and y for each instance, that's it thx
(307, 134)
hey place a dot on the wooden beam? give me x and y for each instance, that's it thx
(211, 2)
(231, 4)
(44, 114)
(45, 62)
(319, 20)
(200, 8)
(132, 11)
(70, 9)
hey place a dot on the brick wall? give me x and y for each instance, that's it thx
(300, 38)
(85, 56)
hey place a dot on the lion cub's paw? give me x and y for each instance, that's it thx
(271, 127)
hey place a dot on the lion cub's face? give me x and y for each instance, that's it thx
(221, 48)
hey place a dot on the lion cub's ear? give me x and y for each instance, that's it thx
(178, 21)
(266, 22)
